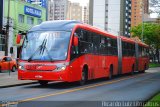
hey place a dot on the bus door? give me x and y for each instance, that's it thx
(90, 56)
(137, 55)
(140, 59)
(90, 61)
(102, 57)
(97, 57)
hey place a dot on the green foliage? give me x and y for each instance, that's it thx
(151, 34)
(153, 65)
(154, 102)
(156, 98)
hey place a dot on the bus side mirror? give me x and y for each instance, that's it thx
(75, 41)
(18, 39)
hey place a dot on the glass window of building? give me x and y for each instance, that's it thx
(21, 18)
(30, 20)
(2, 42)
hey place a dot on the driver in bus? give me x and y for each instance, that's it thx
(63, 50)
(60, 52)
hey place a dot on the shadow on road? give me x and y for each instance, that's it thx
(65, 85)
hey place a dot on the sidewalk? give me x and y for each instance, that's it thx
(11, 80)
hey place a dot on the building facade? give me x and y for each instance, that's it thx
(113, 16)
(74, 11)
(125, 18)
(140, 11)
(22, 17)
(50, 10)
(64, 10)
(60, 9)
(86, 14)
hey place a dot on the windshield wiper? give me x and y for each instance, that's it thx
(42, 48)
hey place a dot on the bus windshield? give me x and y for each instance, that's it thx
(45, 45)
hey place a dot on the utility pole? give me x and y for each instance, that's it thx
(7, 30)
(142, 21)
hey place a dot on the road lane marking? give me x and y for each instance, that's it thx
(82, 88)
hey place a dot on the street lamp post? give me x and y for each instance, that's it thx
(7, 30)
(142, 21)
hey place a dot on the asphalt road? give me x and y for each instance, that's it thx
(139, 87)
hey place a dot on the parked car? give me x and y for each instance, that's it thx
(7, 63)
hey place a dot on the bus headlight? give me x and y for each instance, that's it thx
(60, 68)
(21, 66)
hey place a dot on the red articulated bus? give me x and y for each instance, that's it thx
(72, 51)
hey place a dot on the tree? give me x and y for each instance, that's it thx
(155, 6)
(151, 36)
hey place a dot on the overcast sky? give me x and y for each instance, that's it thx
(153, 15)
(82, 2)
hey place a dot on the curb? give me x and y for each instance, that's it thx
(13, 85)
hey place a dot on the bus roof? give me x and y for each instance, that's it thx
(94, 29)
(127, 39)
(143, 44)
(61, 25)
(68, 25)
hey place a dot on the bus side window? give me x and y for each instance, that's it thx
(114, 46)
(109, 46)
(83, 41)
(140, 51)
(96, 41)
(102, 45)
(124, 48)
(90, 43)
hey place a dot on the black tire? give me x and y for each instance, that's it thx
(111, 72)
(145, 67)
(13, 69)
(83, 77)
(43, 82)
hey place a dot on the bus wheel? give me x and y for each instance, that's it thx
(111, 72)
(43, 83)
(83, 77)
(145, 67)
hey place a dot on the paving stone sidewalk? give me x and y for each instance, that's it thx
(11, 80)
